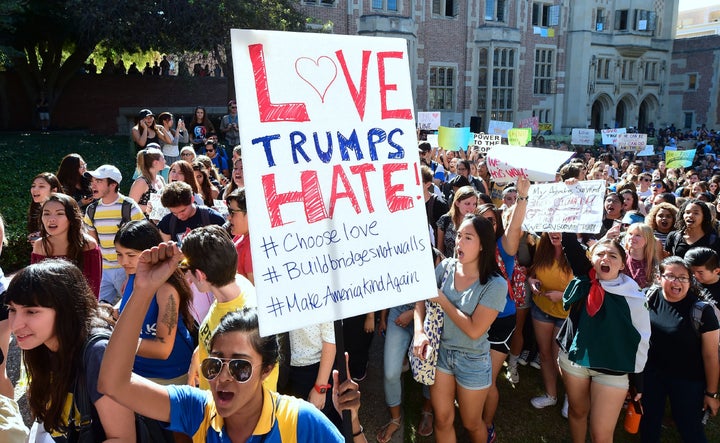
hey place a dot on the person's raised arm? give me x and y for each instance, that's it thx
(162, 345)
(116, 379)
(513, 232)
(575, 254)
(140, 137)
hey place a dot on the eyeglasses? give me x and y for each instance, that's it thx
(657, 185)
(209, 150)
(240, 369)
(670, 277)
(645, 179)
(233, 107)
(234, 211)
(186, 154)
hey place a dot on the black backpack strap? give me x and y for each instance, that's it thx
(81, 397)
(90, 211)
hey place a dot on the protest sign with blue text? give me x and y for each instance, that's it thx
(335, 203)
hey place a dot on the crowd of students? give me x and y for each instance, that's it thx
(139, 309)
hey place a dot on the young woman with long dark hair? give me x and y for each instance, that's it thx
(53, 314)
(62, 235)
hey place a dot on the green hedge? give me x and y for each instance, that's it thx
(26, 155)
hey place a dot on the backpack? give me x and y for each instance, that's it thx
(125, 211)
(696, 312)
(146, 430)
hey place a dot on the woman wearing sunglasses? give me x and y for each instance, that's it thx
(240, 409)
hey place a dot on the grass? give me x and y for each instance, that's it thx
(517, 421)
(27, 154)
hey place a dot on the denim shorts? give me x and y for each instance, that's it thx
(539, 315)
(574, 369)
(471, 371)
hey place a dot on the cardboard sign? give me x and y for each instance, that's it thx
(507, 163)
(497, 127)
(335, 204)
(433, 140)
(453, 139)
(679, 159)
(485, 142)
(631, 142)
(609, 136)
(428, 121)
(158, 211)
(530, 122)
(545, 127)
(583, 137)
(519, 136)
(557, 207)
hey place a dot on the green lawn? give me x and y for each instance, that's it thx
(26, 155)
(517, 421)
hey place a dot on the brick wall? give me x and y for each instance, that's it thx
(107, 104)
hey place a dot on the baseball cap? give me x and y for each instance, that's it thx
(105, 171)
(144, 113)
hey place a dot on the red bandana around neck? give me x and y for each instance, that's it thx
(596, 295)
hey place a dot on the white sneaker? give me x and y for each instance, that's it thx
(564, 410)
(512, 373)
(543, 401)
(536, 361)
(523, 358)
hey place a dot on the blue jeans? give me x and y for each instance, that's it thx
(686, 402)
(397, 343)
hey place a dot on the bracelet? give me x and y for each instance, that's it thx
(714, 395)
(522, 198)
(357, 434)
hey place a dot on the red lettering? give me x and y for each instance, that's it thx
(394, 201)
(404, 114)
(349, 194)
(271, 112)
(362, 170)
(359, 96)
(493, 162)
(310, 196)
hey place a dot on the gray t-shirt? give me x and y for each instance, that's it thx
(491, 295)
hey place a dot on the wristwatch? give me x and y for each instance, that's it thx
(714, 395)
(321, 389)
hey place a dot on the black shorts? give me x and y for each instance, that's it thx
(500, 332)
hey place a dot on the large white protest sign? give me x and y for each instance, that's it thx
(557, 207)
(485, 142)
(609, 136)
(507, 163)
(428, 121)
(335, 205)
(583, 137)
(500, 128)
(631, 142)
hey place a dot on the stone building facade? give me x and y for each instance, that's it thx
(590, 63)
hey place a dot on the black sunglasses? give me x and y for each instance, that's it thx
(240, 369)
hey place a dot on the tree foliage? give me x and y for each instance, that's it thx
(48, 41)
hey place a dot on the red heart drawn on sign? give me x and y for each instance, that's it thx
(435, 114)
(319, 74)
